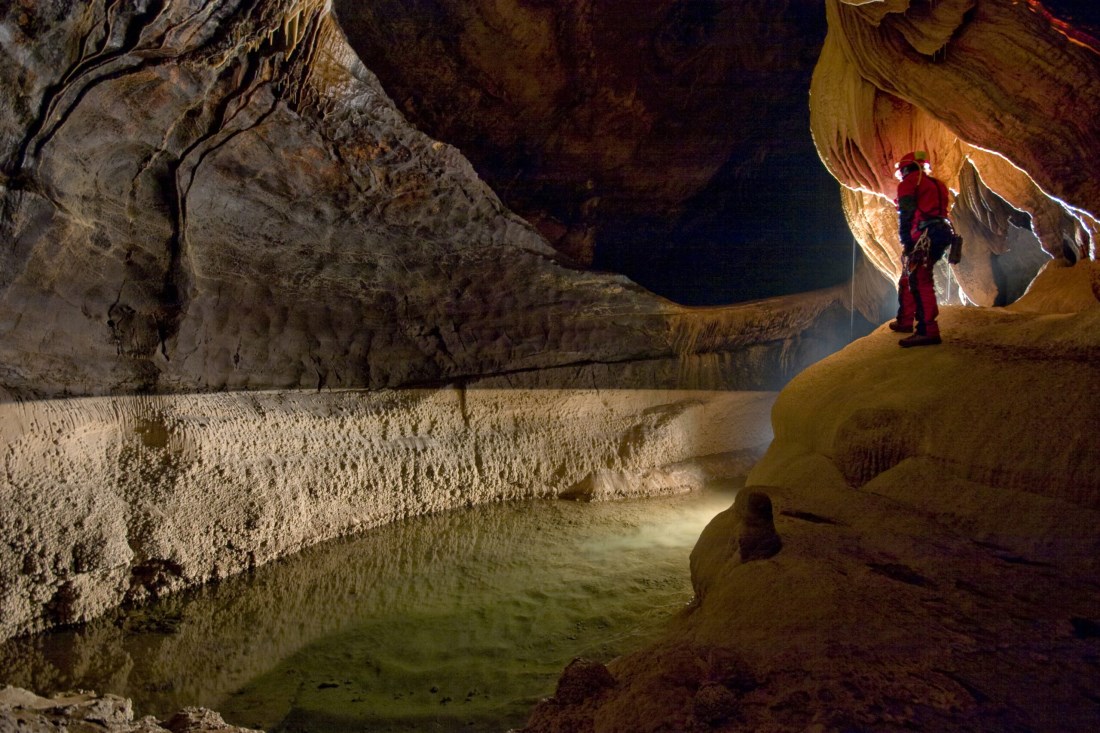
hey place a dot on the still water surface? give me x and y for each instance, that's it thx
(460, 621)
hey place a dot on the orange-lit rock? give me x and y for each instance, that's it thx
(996, 85)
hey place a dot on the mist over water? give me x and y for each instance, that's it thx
(458, 621)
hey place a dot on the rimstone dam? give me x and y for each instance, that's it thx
(301, 300)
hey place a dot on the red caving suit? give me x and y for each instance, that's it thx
(923, 203)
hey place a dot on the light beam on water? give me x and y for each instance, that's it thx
(455, 621)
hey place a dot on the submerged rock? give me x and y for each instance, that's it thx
(86, 712)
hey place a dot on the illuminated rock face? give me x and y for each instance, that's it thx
(219, 198)
(1002, 95)
(121, 499)
(203, 196)
(906, 502)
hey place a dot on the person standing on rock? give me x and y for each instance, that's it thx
(923, 204)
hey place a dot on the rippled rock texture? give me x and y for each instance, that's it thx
(115, 500)
(1003, 95)
(199, 195)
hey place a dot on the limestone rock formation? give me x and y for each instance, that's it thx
(743, 533)
(969, 431)
(1003, 95)
(938, 512)
(200, 196)
(204, 196)
(581, 680)
(120, 500)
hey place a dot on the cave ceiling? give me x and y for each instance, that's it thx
(201, 195)
(666, 140)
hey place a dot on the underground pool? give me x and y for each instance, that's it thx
(456, 621)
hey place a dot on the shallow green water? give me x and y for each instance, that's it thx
(452, 622)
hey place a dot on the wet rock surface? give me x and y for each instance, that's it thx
(86, 712)
(964, 80)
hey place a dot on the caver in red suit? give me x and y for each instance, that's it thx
(923, 203)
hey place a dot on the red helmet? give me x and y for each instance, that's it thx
(918, 158)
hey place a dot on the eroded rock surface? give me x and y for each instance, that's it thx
(938, 571)
(200, 196)
(113, 500)
(86, 712)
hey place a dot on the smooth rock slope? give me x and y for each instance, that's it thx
(938, 568)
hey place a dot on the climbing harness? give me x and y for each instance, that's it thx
(920, 254)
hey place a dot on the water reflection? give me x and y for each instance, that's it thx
(455, 621)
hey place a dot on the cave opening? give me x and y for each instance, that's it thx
(669, 143)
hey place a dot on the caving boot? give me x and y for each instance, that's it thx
(919, 339)
(895, 326)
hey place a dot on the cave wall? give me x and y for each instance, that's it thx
(111, 500)
(201, 196)
(1003, 96)
(206, 196)
(217, 231)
